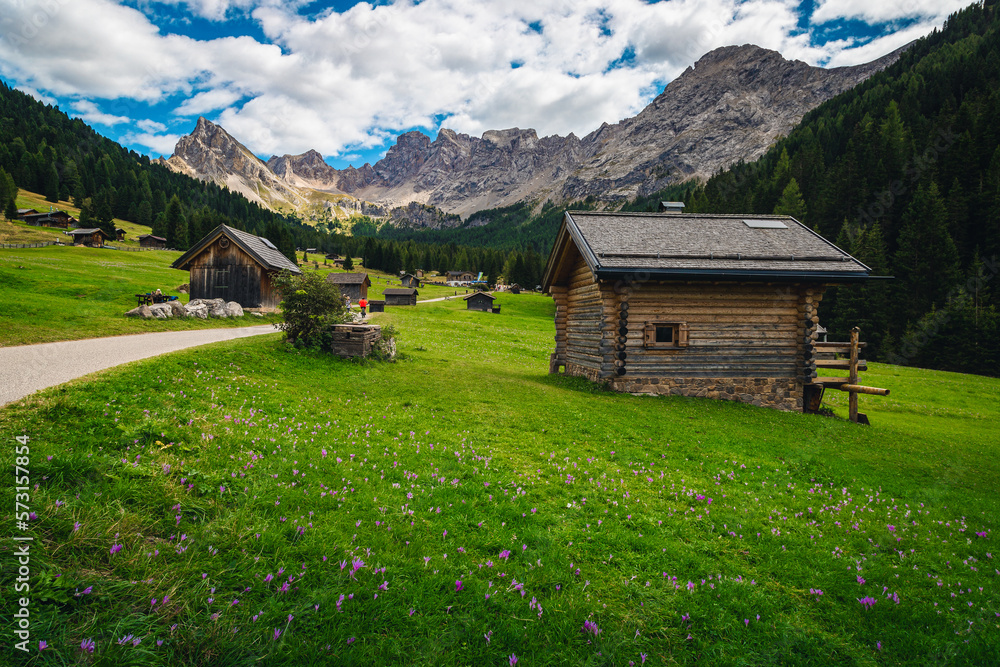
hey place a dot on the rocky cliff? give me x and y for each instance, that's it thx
(730, 106)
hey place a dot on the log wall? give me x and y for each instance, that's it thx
(749, 342)
(231, 274)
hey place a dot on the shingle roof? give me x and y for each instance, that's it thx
(400, 291)
(702, 245)
(347, 278)
(87, 231)
(150, 236)
(262, 250)
(486, 294)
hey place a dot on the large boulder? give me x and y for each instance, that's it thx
(177, 309)
(217, 308)
(198, 310)
(142, 311)
(234, 309)
(160, 311)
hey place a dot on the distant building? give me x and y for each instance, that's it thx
(93, 237)
(719, 306)
(479, 301)
(400, 296)
(120, 234)
(353, 285)
(455, 278)
(236, 266)
(410, 280)
(150, 241)
(59, 219)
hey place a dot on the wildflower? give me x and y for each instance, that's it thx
(867, 602)
(76, 526)
(42, 645)
(277, 633)
(115, 548)
(642, 658)
(87, 645)
(351, 640)
(591, 627)
(512, 660)
(125, 640)
(861, 580)
(458, 585)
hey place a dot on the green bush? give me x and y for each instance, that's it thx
(309, 304)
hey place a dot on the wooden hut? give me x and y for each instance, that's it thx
(58, 219)
(409, 280)
(719, 306)
(460, 277)
(353, 285)
(92, 236)
(236, 266)
(150, 241)
(376, 306)
(400, 296)
(479, 301)
(120, 234)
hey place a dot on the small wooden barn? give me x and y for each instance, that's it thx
(410, 280)
(150, 241)
(458, 277)
(376, 306)
(58, 219)
(479, 301)
(92, 236)
(718, 306)
(353, 285)
(400, 296)
(120, 234)
(236, 266)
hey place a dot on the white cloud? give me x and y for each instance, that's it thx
(41, 97)
(161, 144)
(882, 11)
(338, 82)
(151, 126)
(90, 113)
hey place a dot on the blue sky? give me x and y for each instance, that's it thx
(345, 78)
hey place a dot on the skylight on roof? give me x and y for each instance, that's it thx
(765, 224)
(267, 243)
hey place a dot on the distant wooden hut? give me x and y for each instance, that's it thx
(720, 306)
(514, 289)
(21, 212)
(479, 301)
(236, 266)
(57, 219)
(150, 241)
(93, 237)
(410, 280)
(400, 296)
(376, 306)
(460, 277)
(120, 234)
(353, 285)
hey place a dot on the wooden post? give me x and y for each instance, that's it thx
(852, 377)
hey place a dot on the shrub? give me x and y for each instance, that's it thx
(309, 304)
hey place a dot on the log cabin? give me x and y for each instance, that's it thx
(409, 280)
(236, 266)
(353, 285)
(400, 296)
(57, 219)
(150, 241)
(717, 306)
(479, 301)
(93, 237)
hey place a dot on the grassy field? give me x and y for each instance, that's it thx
(249, 503)
(19, 232)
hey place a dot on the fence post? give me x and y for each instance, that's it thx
(852, 377)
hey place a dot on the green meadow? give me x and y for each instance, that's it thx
(250, 503)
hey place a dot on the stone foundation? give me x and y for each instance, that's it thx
(779, 393)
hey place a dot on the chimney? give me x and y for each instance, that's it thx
(671, 207)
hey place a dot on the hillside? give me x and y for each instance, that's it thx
(254, 503)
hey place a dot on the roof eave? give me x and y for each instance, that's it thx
(754, 275)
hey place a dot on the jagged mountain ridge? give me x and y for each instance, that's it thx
(730, 106)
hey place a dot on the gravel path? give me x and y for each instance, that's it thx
(27, 368)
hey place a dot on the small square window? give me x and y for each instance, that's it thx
(663, 335)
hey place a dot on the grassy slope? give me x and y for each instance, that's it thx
(69, 293)
(686, 530)
(19, 232)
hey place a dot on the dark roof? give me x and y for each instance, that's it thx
(474, 294)
(689, 246)
(262, 250)
(459, 273)
(348, 278)
(88, 231)
(150, 236)
(400, 291)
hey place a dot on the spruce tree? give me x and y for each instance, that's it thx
(348, 262)
(926, 260)
(791, 202)
(52, 184)
(176, 225)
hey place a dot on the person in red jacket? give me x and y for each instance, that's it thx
(363, 303)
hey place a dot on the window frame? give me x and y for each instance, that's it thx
(679, 336)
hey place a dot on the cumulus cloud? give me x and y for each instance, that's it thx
(89, 112)
(159, 144)
(342, 81)
(884, 11)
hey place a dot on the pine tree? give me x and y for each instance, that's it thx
(348, 262)
(791, 202)
(176, 225)
(52, 184)
(926, 260)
